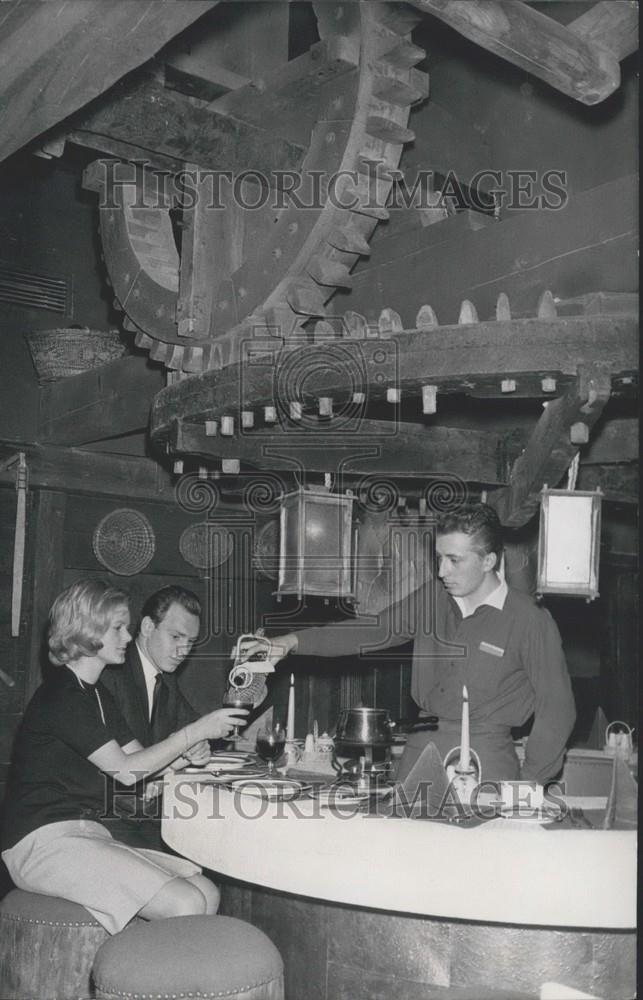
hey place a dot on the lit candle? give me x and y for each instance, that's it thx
(465, 745)
(290, 725)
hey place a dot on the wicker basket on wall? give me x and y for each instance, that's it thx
(72, 350)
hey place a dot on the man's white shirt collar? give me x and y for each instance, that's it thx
(496, 599)
(149, 673)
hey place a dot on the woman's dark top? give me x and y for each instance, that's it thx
(50, 779)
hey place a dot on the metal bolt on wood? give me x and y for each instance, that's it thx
(579, 433)
(429, 398)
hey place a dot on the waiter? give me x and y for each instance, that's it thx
(470, 629)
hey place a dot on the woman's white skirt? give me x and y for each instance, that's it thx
(79, 860)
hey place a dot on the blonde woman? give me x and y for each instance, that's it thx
(72, 743)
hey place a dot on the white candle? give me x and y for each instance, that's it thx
(290, 725)
(465, 745)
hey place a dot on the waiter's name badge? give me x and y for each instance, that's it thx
(488, 647)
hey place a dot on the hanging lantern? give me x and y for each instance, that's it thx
(569, 542)
(316, 544)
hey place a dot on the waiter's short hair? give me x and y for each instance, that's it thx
(481, 522)
(159, 603)
(80, 617)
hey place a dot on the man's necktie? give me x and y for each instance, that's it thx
(160, 723)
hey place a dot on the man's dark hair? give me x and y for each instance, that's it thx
(158, 604)
(481, 522)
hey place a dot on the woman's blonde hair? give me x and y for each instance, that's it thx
(79, 618)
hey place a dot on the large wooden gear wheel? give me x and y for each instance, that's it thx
(289, 277)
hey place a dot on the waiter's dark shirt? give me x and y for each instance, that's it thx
(51, 779)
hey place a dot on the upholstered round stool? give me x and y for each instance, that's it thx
(47, 947)
(185, 957)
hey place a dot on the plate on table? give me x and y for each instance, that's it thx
(269, 788)
(230, 764)
(535, 816)
(339, 798)
(228, 777)
(227, 756)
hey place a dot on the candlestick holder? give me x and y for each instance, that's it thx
(464, 779)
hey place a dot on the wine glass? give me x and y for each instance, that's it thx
(236, 697)
(271, 741)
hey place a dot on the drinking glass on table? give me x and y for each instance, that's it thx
(271, 741)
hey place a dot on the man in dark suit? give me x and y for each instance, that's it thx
(146, 690)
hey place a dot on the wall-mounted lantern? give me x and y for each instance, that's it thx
(569, 542)
(317, 544)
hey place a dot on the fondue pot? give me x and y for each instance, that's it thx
(363, 737)
(362, 727)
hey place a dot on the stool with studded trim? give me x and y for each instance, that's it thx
(184, 957)
(47, 947)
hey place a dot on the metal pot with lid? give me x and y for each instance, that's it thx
(364, 727)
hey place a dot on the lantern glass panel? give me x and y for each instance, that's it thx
(569, 543)
(316, 544)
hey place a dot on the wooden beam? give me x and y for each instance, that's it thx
(199, 244)
(293, 98)
(375, 447)
(106, 402)
(233, 52)
(589, 243)
(149, 116)
(57, 56)
(617, 483)
(73, 470)
(550, 448)
(534, 42)
(615, 441)
(611, 25)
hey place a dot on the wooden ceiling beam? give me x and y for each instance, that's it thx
(589, 242)
(306, 90)
(553, 444)
(375, 448)
(611, 25)
(73, 470)
(106, 402)
(57, 56)
(149, 116)
(569, 61)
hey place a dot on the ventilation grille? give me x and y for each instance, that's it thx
(34, 291)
